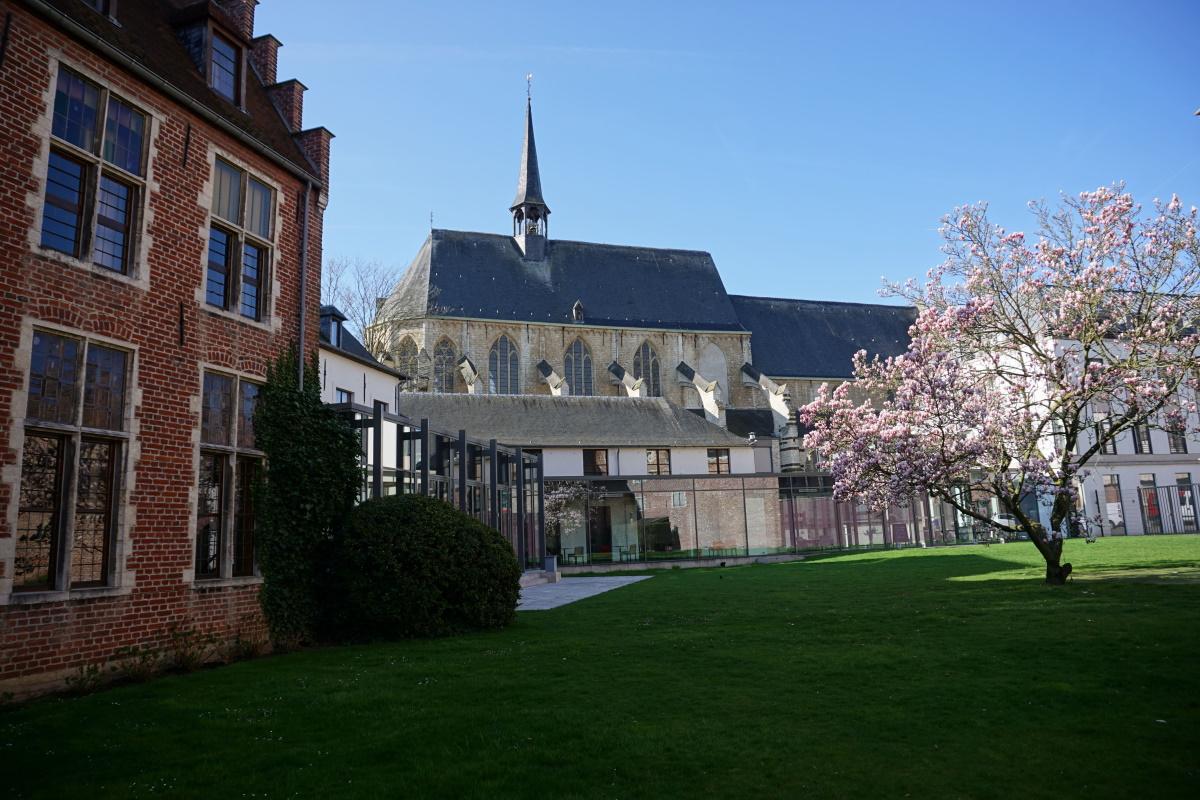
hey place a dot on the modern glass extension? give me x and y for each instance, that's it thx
(500, 486)
(606, 520)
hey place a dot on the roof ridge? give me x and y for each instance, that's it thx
(820, 302)
(579, 241)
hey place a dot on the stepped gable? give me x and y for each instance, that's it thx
(147, 34)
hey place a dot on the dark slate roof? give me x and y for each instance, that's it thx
(147, 35)
(350, 346)
(744, 421)
(483, 276)
(818, 339)
(529, 183)
(548, 421)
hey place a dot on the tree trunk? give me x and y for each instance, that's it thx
(1056, 573)
(1051, 549)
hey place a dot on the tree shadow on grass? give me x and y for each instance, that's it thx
(956, 566)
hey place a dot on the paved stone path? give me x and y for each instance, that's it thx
(568, 590)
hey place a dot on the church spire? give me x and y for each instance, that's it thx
(529, 210)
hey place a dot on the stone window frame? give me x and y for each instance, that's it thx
(95, 167)
(235, 463)
(115, 580)
(241, 238)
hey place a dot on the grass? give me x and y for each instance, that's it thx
(925, 674)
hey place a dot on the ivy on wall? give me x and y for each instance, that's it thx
(312, 475)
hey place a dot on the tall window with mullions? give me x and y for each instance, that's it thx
(646, 369)
(94, 174)
(577, 364)
(229, 465)
(503, 368)
(75, 437)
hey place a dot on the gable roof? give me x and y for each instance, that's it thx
(146, 35)
(548, 421)
(483, 276)
(818, 339)
(350, 346)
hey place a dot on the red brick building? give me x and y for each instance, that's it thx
(160, 240)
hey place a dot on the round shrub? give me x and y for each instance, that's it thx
(410, 565)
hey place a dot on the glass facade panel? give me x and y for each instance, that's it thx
(721, 518)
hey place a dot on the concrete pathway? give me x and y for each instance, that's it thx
(568, 590)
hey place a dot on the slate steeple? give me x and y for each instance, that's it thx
(529, 210)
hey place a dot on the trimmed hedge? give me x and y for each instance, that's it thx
(415, 566)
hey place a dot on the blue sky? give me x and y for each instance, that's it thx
(811, 147)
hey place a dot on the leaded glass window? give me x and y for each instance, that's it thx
(406, 358)
(645, 368)
(577, 364)
(93, 188)
(444, 367)
(228, 468)
(78, 389)
(503, 368)
(239, 252)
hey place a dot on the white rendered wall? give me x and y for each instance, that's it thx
(367, 384)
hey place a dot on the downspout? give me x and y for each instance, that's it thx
(303, 304)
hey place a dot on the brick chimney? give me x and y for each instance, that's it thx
(242, 14)
(264, 55)
(288, 97)
(315, 144)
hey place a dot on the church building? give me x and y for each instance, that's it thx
(521, 313)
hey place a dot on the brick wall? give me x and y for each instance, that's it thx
(44, 636)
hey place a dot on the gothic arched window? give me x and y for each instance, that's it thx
(443, 366)
(406, 358)
(578, 368)
(503, 368)
(645, 366)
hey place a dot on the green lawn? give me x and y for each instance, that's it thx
(950, 673)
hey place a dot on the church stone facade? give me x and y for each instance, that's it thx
(484, 313)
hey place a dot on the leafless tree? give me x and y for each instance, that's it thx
(357, 286)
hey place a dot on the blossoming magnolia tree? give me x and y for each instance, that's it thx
(1026, 359)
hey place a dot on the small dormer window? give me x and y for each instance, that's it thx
(335, 333)
(224, 72)
(103, 6)
(577, 311)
